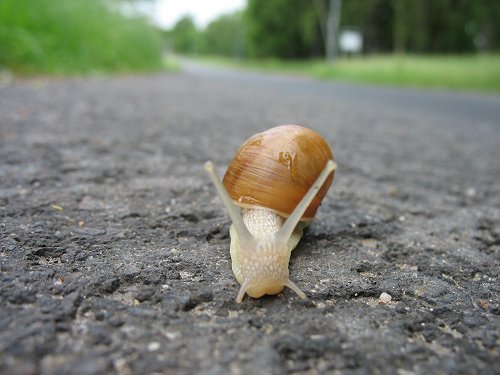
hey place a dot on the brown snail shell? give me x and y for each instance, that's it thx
(274, 169)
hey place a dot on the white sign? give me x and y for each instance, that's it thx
(351, 41)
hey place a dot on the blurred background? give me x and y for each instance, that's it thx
(450, 44)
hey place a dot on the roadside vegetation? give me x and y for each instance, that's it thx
(455, 72)
(419, 43)
(73, 37)
(459, 72)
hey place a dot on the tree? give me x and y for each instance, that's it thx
(296, 29)
(225, 36)
(430, 26)
(282, 28)
(184, 36)
(374, 18)
(457, 25)
(334, 11)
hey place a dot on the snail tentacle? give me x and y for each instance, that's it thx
(295, 288)
(244, 235)
(243, 290)
(288, 227)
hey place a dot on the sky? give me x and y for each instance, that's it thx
(167, 12)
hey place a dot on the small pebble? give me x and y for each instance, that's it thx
(153, 346)
(320, 305)
(471, 192)
(384, 298)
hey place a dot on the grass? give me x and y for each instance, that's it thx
(73, 37)
(465, 72)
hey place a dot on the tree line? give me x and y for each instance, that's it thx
(295, 29)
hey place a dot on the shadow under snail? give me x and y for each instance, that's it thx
(278, 179)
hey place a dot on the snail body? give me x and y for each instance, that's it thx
(272, 189)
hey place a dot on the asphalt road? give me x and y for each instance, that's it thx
(114, 254)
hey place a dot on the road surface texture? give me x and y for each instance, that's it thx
(114, 253)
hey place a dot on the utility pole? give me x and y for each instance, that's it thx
(332, 28)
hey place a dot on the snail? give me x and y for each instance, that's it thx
(277, 179)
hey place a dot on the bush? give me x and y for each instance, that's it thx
(74, 36)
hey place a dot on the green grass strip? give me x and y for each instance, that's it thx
(456, 72)
(74, 36)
